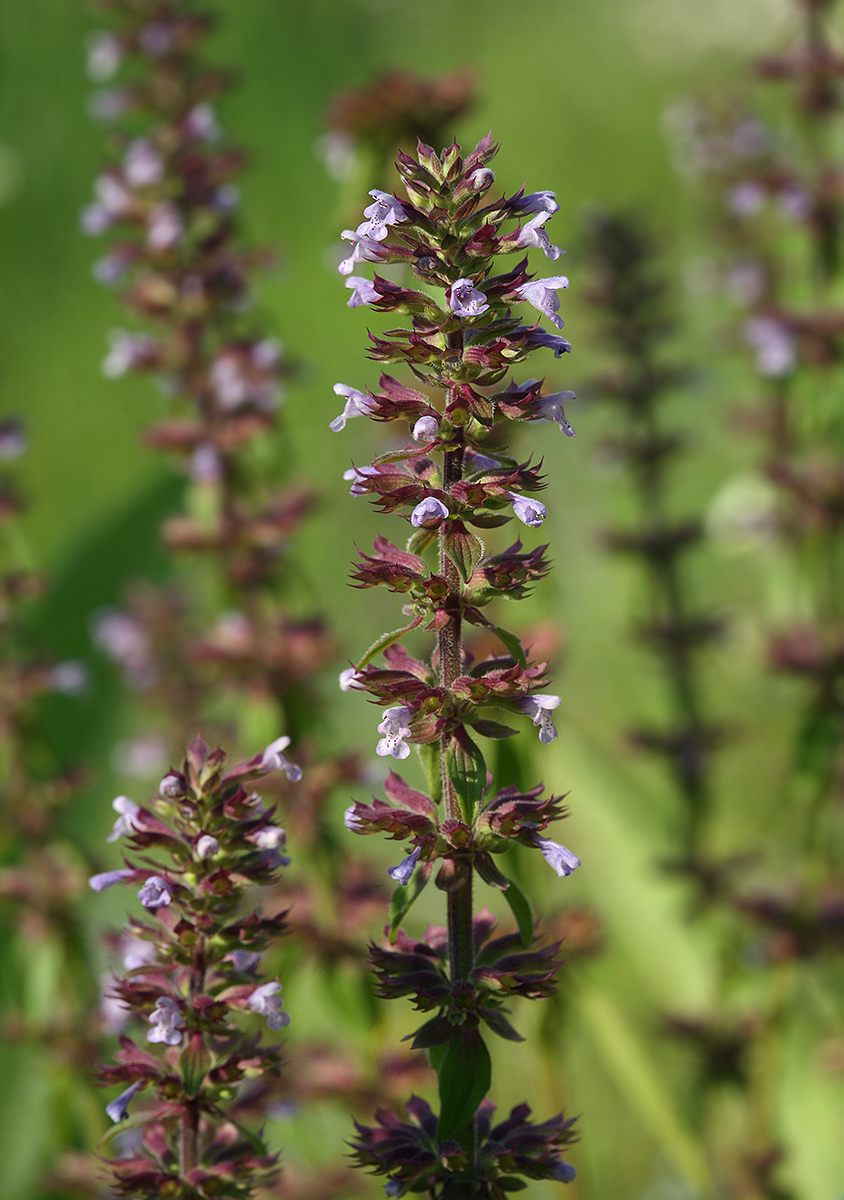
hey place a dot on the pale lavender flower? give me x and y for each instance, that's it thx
(552, 341)
(795, 203)
(532, 234)
(143, 166)
(118, 1109)
(127, 351)
(465, 300)
(269, 838)
(425, 429)
(167, 1022)
(357, 475)
(395, 728)
(428, 512)
(104, 56)
(482, 179)
(155, 893)
(155, 39)
(358, 404)
(206, 846)
(265, 1001)
(123, 826)
(274, 760)
(536, 202)
(110, 268)
(201, 122)
(557, 856)
(542, 294)
(745, 199)
(172, 785)
(539, 708)
(402, 873)
(551, 409)
(350, 680)
(245, 961)
(164, 227)
(114, 198)
(205, 465)
(363, 291)
(564, 1172)
(352, 822)
(70, 678)
(386, 210)
(136, 952)
(776, 350)
(12, 441)
(107, 104)
(531, 512)
(107, 879)
(365, 249)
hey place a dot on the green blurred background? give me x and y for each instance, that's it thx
(576, 94)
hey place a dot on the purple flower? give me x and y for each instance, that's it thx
(12, 441)
(402, 873)
(246, 961)
(465, 300)
(531, 512)
(118, 1109)
(358, 404)
(349, 679)
(532, 234)
(542, 294)
(539, 708)
(127, 351)
(536, 202)
(201, 122)
(206, 846)
(776, 352)
(386, 210)
(142, 166)
(557, 856)
(206, 466)
(746, 199)
(425, 429)
(123, 825)
(428, 512)
(366, 249)
(273, 760)
(264, 1000)
(167, 1022)
(551, 409)
(352, 822)
(70, 677)
(164, 227)
(395, 728)
(482, 179)
(564, 1172)
(108, 878)
(173, 785)
(363, 291)
(104, 56)
(552, 341)
(155, 893)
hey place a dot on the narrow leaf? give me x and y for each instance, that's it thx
(464, 1080)
(386, 639)
(499, 1024)
(493, 729)
(436, 1032)
(520, 908)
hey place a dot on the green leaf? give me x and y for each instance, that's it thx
(403, 900)
(499, 1024)
(387, 639)
(436, 1032)
(467, 771)
(511, 1183)
(464, 1079)
(488, 520)
(418, 542)
(520, 908)
(493, 729)
(464, 549)
(510, 640)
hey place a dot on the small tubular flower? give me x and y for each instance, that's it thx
(539, 708)
(365, 249)
(107, 879)
(364, 291)
(395, 727)
(385, 210)
(118, 1109)
(266, 1001)
(155, 893)
(402, 873)
(167, 1022)
(542, 294)
(425, 429)
(532, 234)
(428, 512)
(557, 856)
(207, 846)
(465, 300)
(123, 825)
(531, 512)
(551, 409)
(358, 404)
(273, 759)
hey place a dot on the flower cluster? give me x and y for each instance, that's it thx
(451, 484)
(192, 968)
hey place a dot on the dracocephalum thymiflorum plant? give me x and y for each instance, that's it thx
(448, 483)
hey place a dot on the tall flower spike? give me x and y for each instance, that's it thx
(464, 338)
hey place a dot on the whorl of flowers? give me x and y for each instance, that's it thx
(451, 485)
(192, 972)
